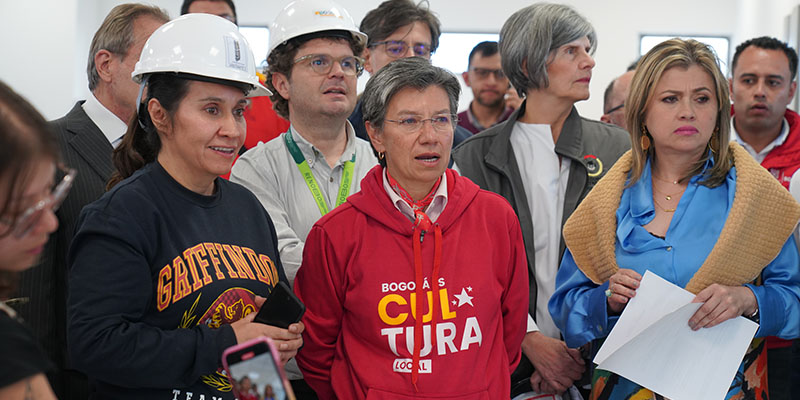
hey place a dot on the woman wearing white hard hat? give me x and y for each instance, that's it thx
(169, 267)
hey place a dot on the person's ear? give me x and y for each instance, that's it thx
(465, 75)
(525, 68)
(159, 117)
(606, 118)
(104, 65)
(730, 89)
(375, 136)
(367, 56)
(792, 89)
(281, 84)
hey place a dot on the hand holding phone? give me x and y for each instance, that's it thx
(287, 340)
(282, 308)
(255, 372)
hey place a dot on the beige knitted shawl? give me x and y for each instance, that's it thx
(762, 217)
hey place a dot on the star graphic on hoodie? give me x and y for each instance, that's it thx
(464, 298)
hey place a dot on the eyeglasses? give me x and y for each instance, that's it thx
(483, 73)
(323, 64)
(229, 17)
(398, 49)
(30, 217)
(440, 122)
(615, 108)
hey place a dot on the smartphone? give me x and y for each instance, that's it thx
(282, 308)
(255, 371)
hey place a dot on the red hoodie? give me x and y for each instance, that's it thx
(358, 283)
(784, 160)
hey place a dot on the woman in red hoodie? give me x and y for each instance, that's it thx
(414, 286)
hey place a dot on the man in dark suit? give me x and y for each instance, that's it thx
(87, 136)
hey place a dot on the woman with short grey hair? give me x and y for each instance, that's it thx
(532, 35)
(440, 260)
(544, 159)
(414, 73)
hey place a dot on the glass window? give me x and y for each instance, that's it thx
(454, 49)
(258, 37)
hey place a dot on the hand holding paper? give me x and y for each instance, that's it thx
(622, 287)
(653, 345)
(722, 303)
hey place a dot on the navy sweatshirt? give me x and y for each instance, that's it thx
(157, 274)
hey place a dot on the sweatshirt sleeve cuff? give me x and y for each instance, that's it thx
(225, 338)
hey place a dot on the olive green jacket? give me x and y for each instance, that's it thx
(488, 160)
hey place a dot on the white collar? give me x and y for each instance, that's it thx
(433, 211)
(112, 127)
(760, 156)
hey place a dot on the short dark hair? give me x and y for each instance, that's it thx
(607, 95)
(485, 49)
(410, 72)
(392, 15)
(281, 60)
(768, 43)
(187, 3)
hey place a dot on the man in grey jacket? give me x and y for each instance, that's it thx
(544, 159)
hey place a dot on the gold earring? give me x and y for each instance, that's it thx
(645, 140)
(381, 156)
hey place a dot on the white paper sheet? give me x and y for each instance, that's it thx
(652, 344)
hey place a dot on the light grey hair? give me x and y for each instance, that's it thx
(530, 36)
(413, 72)
(116, 34)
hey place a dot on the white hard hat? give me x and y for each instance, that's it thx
(302, 17)
(204, 45)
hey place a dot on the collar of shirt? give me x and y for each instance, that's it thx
(112, 127)
(760, 156)
(313, 156)
(474, 121)
(642, 207)
(433, 211)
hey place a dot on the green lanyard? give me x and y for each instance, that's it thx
(305, 171)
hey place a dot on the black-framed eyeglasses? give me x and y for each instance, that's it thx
(439, 122)
(31, 216)
(323, 63)
(615, 108)
(484, 73)
(398, 49)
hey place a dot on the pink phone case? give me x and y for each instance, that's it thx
(273, 352)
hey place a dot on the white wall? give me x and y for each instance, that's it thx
(45, 43)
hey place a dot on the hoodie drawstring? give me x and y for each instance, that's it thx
(416, 239)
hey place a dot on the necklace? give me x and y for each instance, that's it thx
(668, 196)
(667, 210)
(664, 180)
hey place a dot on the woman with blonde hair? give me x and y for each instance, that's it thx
(690, 206)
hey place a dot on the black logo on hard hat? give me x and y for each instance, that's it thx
(237, 51)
